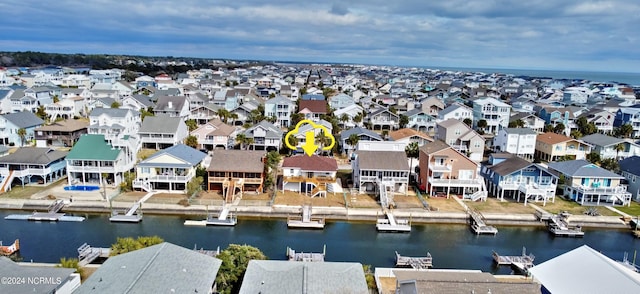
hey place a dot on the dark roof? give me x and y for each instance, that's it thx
(162, 268)
(160, 124)
(433, 147)
(315, 106)
(24, 119)
(8, 268)
(177, 102)
(237, 160)
(631, 165)
(359, 131)
(453, 282)
(33, 155)
(383, 160)
(582, 168)
(510, 165)
(311, 163)
(601, 140)
(112, 112)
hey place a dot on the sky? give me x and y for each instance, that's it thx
(533, 34)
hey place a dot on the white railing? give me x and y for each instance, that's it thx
(147, 139)
(440, 168)
(620, 189)
(455, 182)
(31, 171)
(77, 168)
(168, 178)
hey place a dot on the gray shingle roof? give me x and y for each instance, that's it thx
(160, 124)
(601, 140)
(359, 131)
(190, 156)
(162, 268)
(177, 102)
(284, 277)
(273, 132)
(24, 119)
(520, 131)
(453, 282)
(510, 165)
(33, 155)
(8, 268)
(383, 160)
(237, 160)
(112, 112)
(631, 165)
(582, 168)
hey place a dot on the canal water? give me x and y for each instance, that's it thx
(452, 246)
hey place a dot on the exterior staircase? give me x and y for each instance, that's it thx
(5, 185)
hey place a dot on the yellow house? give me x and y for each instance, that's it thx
(552, 146)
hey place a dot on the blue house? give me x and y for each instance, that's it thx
(10, 123)
(341, 101)
(587, 183)
(313, 97)
(506, 173)
(630, 116)
(32, 165)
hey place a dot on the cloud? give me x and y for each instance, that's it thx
(566, 34)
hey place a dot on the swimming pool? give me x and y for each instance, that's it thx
(81, 188)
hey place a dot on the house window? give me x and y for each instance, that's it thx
(145, 170)
(476, 144)
(457, 131)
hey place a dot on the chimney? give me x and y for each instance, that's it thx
(170, 104)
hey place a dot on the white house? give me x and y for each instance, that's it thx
(281, 108)
(518, 141)
(455, 111)
(495, 112)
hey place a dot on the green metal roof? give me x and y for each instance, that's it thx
(93, 147)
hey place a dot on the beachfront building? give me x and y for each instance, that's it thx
(445, 171)
(518, 141)
(551, 147)
(607, 146)
(508, 174)
(94, 160)
(313, 175)
(169, 169)
(60, 133)
(162, 131)
(373, 168)
(495, 112)
(31, 165)
(236, 171)
(589, 184)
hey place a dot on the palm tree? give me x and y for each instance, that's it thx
(249, 142)
(241, 139)
(344, 118)
(358, 118)
(233, 116)
(322, 140)
(619, 147)
(191, 141)
(191, 124)
(353, 140)
(482, 124)
(293, 141)
(223, 114)
(22, 133)
(413, 151)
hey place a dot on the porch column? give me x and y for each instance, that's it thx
(502, 194)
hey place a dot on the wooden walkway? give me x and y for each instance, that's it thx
(414, 262)
(521, 262)
(87, 254)
(309, 257)
(478, 225)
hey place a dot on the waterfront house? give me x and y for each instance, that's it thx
(265, 135)
(531, 121)
(281, 108)
(173, 106)
(558, 275)
(383, 119)
(630, 169)
(462, 138)
(444, 170)
(313, 109)
(362, 134)
(408, 136)
(456, 111)
(450, 281)
(371, 169)
(10, 123)
(287, 277)
(169, 169)
(32, 165)
(37, 278)
(628, 116)
(214, 135)
(162, 131)
(508, 174)
(495, 112)
(60, 133)
(93, 157)
(314, 175)
(421, 121)
(238, 169)
(552, 147)
(606, 146)
(518, 141)
(160, 268)
(589, 184)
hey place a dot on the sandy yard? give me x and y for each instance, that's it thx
(444, 204)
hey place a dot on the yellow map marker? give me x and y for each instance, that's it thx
(309, 146)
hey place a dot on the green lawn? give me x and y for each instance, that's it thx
(633, 210)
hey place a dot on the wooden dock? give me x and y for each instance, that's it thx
(558, 225)
(520, 262)
(212, 253)
(478, 224)
(309, 257)
(414, 262)
(224, 218)
(306, 221)
(391, 224)
(133, 214)
(88, 254)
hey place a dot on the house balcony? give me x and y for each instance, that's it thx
(158, 139)
(168, 179)
(383, 121)
(618, 190)
(91, 169)
(460, 147)
(302, 179)
(207, 141)
(30, 172)
(474, 183)
(440, 168)
(246, 180)
(384, 179)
